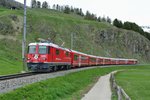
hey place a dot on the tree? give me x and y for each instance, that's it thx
(54, 6)
(71, 9)
(67, 9)
(87, 15)
(57, 7)
(117, 23)
(127, 25)
(62, 8)
(45, 4)
(90, 16)
(76, 10)
(132, 26)
(38, 4)
(93, 17)
(99, 19)
(108, 20)
(81, 12)
(33, 3)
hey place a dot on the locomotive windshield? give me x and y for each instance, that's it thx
(32, 49)
(42, 50)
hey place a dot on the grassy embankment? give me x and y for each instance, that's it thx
(136, 83)
(9, 46)
(68, 87)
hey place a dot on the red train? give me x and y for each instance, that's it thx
(44, 57)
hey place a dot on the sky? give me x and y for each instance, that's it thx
(137, 11)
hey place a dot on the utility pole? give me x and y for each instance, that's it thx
(24, 38)
(71, 40)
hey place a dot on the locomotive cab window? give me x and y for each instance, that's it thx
(43, 50)
(32, 49)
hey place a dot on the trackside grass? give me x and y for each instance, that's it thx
(68, 87)
(136, 83)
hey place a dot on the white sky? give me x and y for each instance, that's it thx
(137, 11)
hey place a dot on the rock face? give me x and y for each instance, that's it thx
(129, 42)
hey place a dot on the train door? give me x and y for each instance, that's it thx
(50, 54)
(56, 55)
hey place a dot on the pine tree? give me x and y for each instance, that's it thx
(103, 19)
(67, 9)
(127, 25)
(33, 4)
(117, 23)
(45, 4)
(57, 7)
(71, 9)
(99, 19)
(38, 4)
(81, 12)
(62, 8)
(87, 15)
(54, 6)
(108, 20)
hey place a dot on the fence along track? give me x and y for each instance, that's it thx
(120, 92)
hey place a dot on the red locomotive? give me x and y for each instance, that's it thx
(45, 56)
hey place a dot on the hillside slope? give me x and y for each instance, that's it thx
(91, 37)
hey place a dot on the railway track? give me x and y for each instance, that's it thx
(6, 77)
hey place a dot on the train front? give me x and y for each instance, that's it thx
(38, 57)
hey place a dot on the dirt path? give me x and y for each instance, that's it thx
(101, 90)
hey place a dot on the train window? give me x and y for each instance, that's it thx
(106, 60)
(57, 52)
(32, 49)
(83, 58)
(93, 60)
(75, 57)
(67, 54)
(42, 50)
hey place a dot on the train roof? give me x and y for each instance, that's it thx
(50, 44)
(116, 58)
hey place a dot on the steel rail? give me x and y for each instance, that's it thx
(6, 77)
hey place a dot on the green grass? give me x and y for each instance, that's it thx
(136, 83)
(68, 87)
(10, 61)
